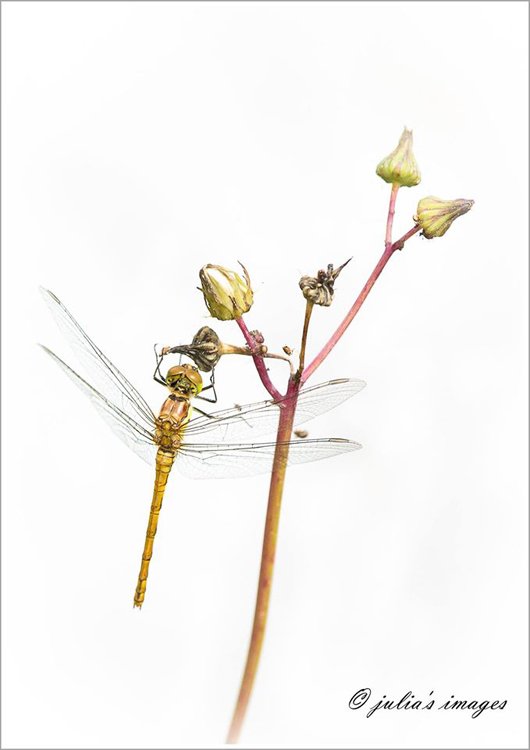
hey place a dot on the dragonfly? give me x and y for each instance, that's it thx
(217, 445)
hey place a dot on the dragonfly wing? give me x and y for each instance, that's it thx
(219, 461)
(261, 418)
(110, 382)
(133, 434)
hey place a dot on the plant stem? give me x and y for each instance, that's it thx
(258, 361)
(233, 349)
(285, 427)
(270, 537)
(383, 260)
(398, 244)
(308, 310)
(391, 212)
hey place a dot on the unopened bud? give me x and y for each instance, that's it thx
(226, 294)
(435, 216)
(319, 289)
(400, 166)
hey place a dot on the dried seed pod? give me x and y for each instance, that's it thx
(319, 289)
(205, 349)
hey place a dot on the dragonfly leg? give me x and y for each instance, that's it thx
(157, 375)
(204, 413)
(208, 387)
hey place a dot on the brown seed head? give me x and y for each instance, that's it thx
(205, 349)
(319, 289)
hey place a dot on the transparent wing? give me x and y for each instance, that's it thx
(133, 434)
(220, 461)
(254, 420)
(112, 385)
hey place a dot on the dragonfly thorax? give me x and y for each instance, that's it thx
(168, 434)
(184, 380)
(173, 417)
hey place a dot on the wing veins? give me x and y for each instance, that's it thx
(124, 386)
(119, 415)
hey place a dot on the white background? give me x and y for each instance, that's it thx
(142, 140)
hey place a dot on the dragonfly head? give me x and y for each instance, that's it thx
(184, 380)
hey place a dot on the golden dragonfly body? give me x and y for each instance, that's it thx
(185, 382)
(222, 444)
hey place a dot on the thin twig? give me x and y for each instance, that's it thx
(232, 349)
(308, 310)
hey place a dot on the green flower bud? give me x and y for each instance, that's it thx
(435, 216)
(400, 166)
(226, 294)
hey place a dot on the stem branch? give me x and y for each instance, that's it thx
(258, 361)
(383, 260)
(232, 349)
(391, 212)
(308, 310)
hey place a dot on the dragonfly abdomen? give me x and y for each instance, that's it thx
(173, 417)
(164, 462)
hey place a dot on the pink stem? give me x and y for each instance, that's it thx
(391, 212)
(389, 251)
(268, 554)
(398, 244)
(258, 361)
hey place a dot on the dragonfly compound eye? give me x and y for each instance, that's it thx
(184, 379)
